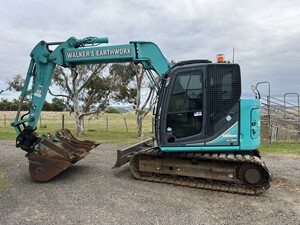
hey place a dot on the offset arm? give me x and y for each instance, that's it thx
(74, 52)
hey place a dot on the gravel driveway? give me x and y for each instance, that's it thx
(93, 193)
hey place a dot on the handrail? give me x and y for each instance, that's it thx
(297, 95)
(279, 112)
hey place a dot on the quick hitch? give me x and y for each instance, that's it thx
(27, 139)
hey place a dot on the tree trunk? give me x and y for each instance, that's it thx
(78, 116)
(139, 123)
(79, 125)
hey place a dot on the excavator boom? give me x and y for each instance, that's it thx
(49, 155)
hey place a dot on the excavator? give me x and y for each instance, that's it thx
(206, 136)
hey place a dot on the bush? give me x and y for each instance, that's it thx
(112, 110)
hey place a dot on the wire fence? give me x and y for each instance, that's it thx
(104, 122)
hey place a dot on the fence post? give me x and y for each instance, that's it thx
(153, 125)
(83, 122)
(63, 121)
(106, 124)
(41, 121)
(126, 124)
(4, 120)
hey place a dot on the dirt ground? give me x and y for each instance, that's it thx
(93, 193)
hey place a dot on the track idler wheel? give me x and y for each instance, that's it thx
(251, 174)
(53, 155)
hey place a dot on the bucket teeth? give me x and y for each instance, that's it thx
(66, 135)
(55, 154)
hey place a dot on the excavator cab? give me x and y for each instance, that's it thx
(199, 100)
(207, 136)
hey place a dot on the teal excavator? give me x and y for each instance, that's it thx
(206, 136)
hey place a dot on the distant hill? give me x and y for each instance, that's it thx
(122, 108)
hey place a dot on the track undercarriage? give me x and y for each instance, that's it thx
(243, 174)
(235, 173)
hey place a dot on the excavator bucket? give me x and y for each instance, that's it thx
(55, 154)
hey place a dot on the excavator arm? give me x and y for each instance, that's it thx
(50, 155)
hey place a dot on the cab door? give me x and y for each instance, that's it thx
(185, 107)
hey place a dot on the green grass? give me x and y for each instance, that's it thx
(105, 128)
(113, 137)
(7, 134)
(281, 148)
(3, 181)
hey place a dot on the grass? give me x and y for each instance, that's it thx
(7, 134)
(111, 128)
(105, 128)
(3, 181)
(113, 137)
(281, 148)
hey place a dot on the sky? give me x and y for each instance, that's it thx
(264, 33)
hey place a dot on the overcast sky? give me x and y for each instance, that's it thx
(265, 33)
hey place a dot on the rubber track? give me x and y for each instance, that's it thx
(198, 183)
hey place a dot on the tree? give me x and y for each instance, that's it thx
(86, 90)
(58, 104)
(140, 107)
(15, 84)
(131, 82)
(6, 105)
